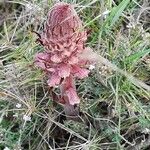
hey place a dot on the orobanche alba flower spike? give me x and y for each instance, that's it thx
(64, 58)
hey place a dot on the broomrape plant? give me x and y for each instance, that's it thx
(64, 58)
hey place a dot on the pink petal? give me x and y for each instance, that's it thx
(40, 60)
(40, 64)
(73, 60)
(56, 59)
(66, 53)
(54, 80)
(80, 72)
(41, 56)
(64, 70)
(50, 69)
(72, 96)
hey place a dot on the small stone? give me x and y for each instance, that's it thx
(18, 105)
(26, 118)
(6, 148)
(15, 115)
(91, 67)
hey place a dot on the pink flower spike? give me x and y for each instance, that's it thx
(65, 55)
(54, 80)
(72, 96)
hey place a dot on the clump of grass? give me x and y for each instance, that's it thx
(114, 98)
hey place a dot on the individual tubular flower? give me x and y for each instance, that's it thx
(64, 42)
